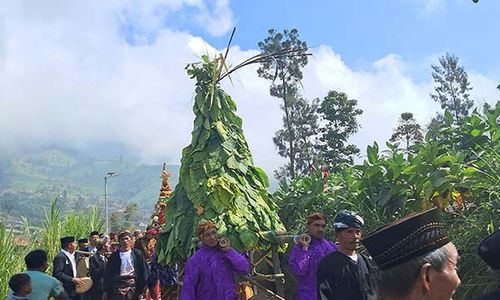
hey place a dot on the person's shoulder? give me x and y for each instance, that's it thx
(330, 243)
(193, 261)
(337, 258)
(368, 259)
(296, 247)
(50, 279)
(60, 255)
(137, 252)
(329, 258)
(335, 255)
(38, 274)
(199, 254)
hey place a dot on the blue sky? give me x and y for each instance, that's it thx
(75, 73)
(364, 31)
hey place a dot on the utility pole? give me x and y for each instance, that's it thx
(106, 208)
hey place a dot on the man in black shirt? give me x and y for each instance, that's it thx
(126, 272)
(345, 273)
(489, 251)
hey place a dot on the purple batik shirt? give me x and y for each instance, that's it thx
(210, 274)
(305, 263)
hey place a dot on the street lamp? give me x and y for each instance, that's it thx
(106, 210)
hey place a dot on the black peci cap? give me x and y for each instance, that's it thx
(489, 250)
(83, 241)
(67, 239)
(407, 238)
(94, 233)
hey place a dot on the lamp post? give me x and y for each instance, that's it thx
(106, 210)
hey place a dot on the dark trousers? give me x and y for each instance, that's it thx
(124, 289)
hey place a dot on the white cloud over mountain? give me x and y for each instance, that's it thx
(70, 75)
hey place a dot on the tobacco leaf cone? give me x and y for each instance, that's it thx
(218, 180)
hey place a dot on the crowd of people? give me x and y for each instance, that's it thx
(119, 266)
(412, 258)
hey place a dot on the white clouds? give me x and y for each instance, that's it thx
(383, 92)
(216, 16)
(68, 76)
(95, 87)
(484, 89)
(142, 21)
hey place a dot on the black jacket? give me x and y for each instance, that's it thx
(340, 278)
(112, 271)
(97, 265)
(64, 272)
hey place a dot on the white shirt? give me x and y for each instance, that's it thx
(127, 265)
(71, 259)
(354, 257)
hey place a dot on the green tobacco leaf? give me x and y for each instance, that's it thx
(232, 163)
(476, 132)
(249, 239)
(260, 176)
(372, 152)
(469, 171)
(445, 159)
(441, 183)
(410, 169)
(221, 129)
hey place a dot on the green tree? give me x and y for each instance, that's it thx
(115, 222)
(130, 215)
(304, 122)
(339, 114)
(452, 87)
(408, 130)
(285, 73)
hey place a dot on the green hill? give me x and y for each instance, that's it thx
(29, 182)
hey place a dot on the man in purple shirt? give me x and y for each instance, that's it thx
(210, 272)
(305, 257)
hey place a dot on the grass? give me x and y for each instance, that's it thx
(78, 224)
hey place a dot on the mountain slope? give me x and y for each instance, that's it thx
(29, 182)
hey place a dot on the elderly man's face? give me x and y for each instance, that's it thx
(349, 238)
(105, 248)
(443, 284)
